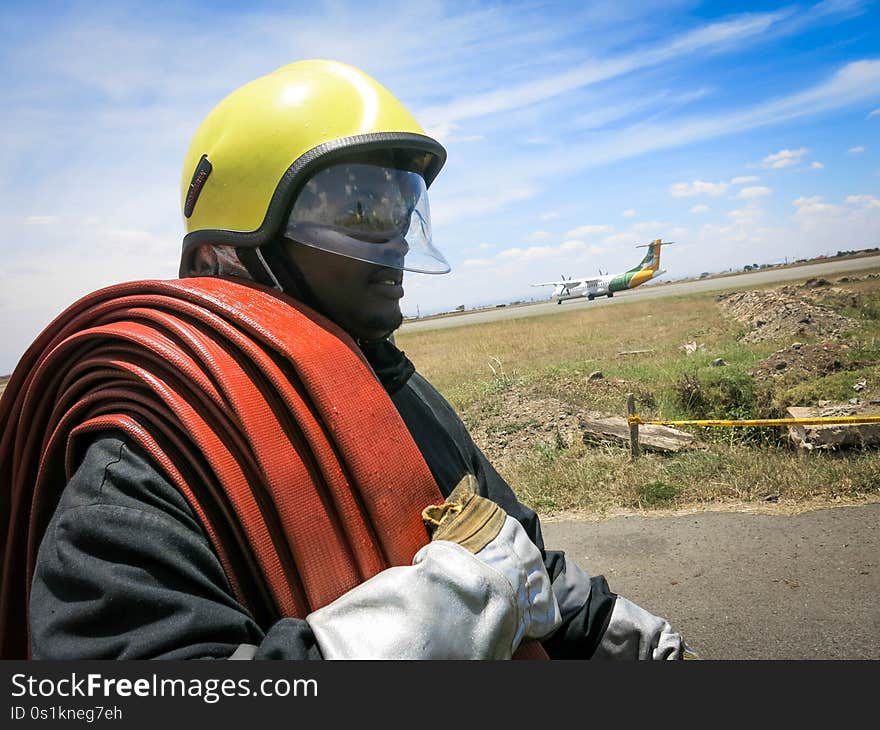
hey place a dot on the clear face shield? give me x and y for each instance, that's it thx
(371, 212)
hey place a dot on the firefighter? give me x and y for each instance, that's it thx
(311, 182)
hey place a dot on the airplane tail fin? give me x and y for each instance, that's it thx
(652, 257)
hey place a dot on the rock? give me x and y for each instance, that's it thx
(691, 347)
(718, 362)
(835, 436)
(781, 365)
(860, 386)
(595, 375)
(615, 429)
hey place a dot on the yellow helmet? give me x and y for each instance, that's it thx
(256, 150)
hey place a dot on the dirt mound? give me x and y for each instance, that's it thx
(853, 279)
(519, 421)
(806, 361)
(517, 418)
(790, 311)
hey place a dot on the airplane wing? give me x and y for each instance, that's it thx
(571, 283)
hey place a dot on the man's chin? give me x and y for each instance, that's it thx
(377, 326)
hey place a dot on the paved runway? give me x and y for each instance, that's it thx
(831, 267)
(745, 586)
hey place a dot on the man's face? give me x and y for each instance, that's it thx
(362, 298)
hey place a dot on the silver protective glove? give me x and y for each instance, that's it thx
(474, 592)
(634, 633)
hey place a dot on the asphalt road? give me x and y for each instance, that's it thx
(831, 267)
(745, 586)
(737, 585)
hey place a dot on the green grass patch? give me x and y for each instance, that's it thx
(491, 373)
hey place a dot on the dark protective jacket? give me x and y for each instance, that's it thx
(125, 570)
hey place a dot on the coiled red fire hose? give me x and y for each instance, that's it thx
(264, 414)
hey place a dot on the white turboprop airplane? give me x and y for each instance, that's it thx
(606, 284)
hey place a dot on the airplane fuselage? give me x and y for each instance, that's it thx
(605, 285)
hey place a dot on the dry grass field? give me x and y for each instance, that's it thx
(521, 386)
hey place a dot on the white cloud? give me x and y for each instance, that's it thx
(784, 158)
(588, 230)
(869, 201)
(618, 239)
(467, 206)
(816, 165)
(811, 205)
(629, 213)
(751, 215)
(549, 216)
(41, 220)
(526, 254)
(697, 187)
(839, 226)
(742, 180)
(536, 236)
(851, 84)
(857, 150)
(593, 71)
(476, 263)
(479, 248)
(648, 227)
(756, 191)
(572, 246)
(875, 113)
(697, 209)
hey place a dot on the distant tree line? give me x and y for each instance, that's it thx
(755, 267)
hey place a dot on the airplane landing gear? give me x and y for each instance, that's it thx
(610, 294)
(559, 301)
(591, 297)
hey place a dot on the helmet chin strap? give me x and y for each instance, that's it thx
(286, 275)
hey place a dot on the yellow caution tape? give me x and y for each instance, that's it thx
(818, 421)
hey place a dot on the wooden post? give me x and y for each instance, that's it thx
(634, 427)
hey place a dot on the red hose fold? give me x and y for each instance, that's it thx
(264, 415)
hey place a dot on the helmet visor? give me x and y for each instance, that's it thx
(369, 212)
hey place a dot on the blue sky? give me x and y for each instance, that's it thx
(747, 133)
